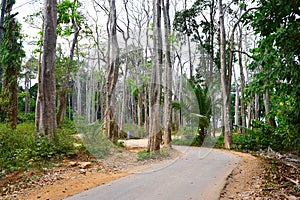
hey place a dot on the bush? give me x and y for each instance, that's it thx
(261, 139)
(22, 117)
(96, 142)
(19, 148)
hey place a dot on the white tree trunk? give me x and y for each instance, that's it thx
(224, 79)
(155, 87)
(168, 78)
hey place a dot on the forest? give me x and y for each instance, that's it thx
(217, 73)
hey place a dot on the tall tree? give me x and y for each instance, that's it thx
(11, 58)
(125, 37)
(69, 15)
(277, 58)
(224, 80)
(46, 107)
(155, 135)
(112, 74)
(168, 77)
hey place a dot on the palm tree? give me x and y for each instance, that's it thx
(201, 110)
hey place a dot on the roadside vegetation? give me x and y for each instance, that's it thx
(20, 148)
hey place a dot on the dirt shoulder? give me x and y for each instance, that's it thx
(245, 179)
(262, 178)
(75, 176)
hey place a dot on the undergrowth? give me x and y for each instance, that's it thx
(146, 155)
(20, 149)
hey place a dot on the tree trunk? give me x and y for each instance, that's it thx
(267, 105)
(168, 78)
(125, 37)
(257, 107)
(236, 101)
(140, 107)
(242, 86)
(38, 109)
(47, 118)
(27, 98)
(224, 81)
(155, 135)
(123, 109)
(236, 106)
(64, 89)
(250, 113)
(112, 74)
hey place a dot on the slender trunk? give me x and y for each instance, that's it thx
(146, 87)
(64, 89)
(236, 106)
(236, 103)
(140, 108)
(27, 98)
(225, 80)
(257, 107)
(125, 37)
(78, 100)
(93, 110)
(242, 77)
(242, 99)
(123, 109)
(267, 105)
(168, 78)
(250, 113)
(211, 63)
(38, 108)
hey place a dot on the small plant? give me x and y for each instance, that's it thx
(121, 144)
(143, 155)
(146, 155)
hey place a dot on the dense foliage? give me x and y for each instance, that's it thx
(11, 54)
(277, 67)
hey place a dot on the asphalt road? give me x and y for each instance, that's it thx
(199, 174)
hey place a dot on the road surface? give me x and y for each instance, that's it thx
(199, 174)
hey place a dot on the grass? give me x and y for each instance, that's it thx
(146, 155)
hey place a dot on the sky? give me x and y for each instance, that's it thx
(25, 8)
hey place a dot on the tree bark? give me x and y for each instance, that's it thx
(47, 118)
(155, 135)
(257, 107)
(38, 109)
(168, 78)
(224, 80)
(242, 86)
(267, 105)
(125, 37)
(27, 87)
(112, 74)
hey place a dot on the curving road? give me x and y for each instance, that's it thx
(199, 174)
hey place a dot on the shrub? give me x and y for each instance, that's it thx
(19, 148)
